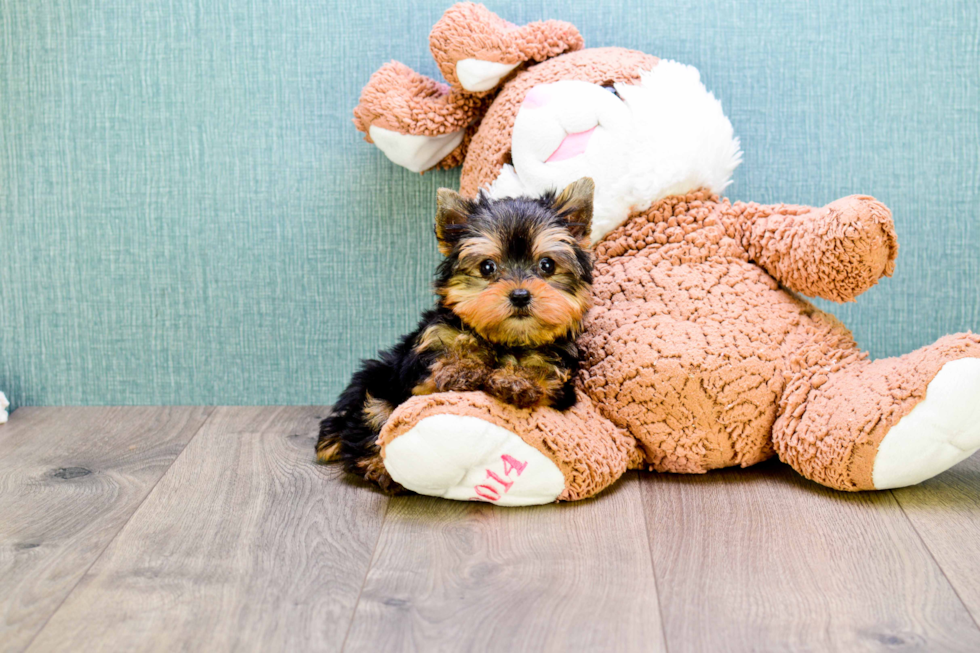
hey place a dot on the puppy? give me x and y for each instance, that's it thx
(513, 291)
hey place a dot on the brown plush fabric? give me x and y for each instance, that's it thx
(471, 31)
(835, 252)
(589, 451)
(695, 349)
(400, 99)
(833, 416)
(673, 351)
(698, 353)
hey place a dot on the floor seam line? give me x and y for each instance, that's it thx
(119, 530)
(367, 572)
(653, 566)
(925, 544)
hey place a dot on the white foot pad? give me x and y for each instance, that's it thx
(467, 459)
(941, 431)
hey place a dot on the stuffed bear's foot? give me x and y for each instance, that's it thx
(941, 431)
(466, 458)
(856, 425)
(469, 446)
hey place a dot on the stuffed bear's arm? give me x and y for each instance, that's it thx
(835, 252)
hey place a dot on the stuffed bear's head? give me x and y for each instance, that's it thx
(527, 110)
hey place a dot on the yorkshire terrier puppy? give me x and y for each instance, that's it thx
(513, 291)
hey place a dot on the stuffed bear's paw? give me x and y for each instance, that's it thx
(466, 458)
(941, 431)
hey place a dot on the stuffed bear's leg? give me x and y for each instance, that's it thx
(862, 425)
(469, 446)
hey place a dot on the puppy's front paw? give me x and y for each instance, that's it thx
(462, 375)
(514, 388)
(373, 470)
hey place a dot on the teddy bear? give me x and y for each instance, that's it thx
(700, 351)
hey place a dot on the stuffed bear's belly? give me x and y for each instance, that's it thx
(690, 358)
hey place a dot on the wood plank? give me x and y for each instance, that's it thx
(245, 544)
(471, 577)
(945, 511)
(762, 559)
(70, 478)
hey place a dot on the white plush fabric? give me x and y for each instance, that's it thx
(663, 136)
(463, 458)
(476, 75)
(4, 404)
(941, 431)
(415, 152)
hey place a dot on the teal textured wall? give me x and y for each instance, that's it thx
(188, 216)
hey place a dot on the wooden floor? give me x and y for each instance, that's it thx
(211, 529)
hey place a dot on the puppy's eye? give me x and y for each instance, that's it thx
(487, 268)
(547, 266)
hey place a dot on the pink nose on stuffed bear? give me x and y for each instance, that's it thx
(537, 97)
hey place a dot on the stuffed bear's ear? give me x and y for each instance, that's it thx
(574, 204)
(452, 217)
(417, 122)
(476, 49)
(422, 124)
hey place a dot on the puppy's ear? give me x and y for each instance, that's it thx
(451, 218)
(574, 205)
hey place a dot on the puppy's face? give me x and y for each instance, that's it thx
(516, 270)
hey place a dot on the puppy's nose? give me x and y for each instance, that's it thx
(520, 297)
